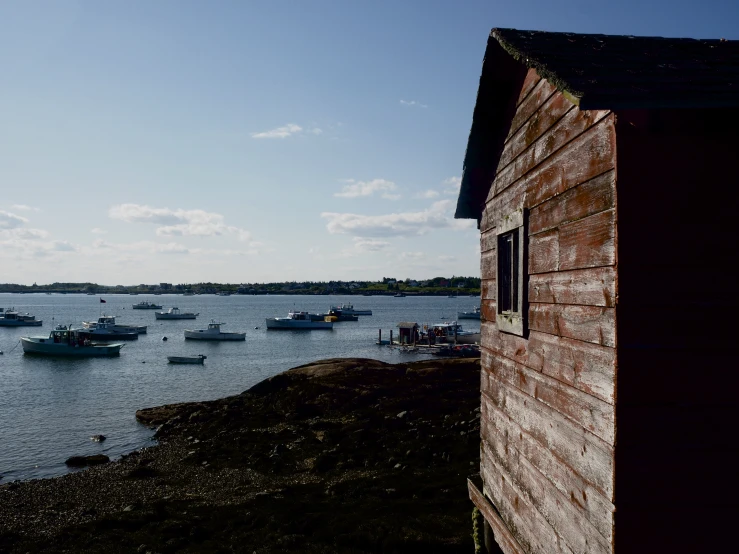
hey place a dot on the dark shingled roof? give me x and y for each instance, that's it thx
(596, 72)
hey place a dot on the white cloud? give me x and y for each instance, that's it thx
(63, 246)
(98, 231)
(25, 208)
(144, 246)
(286, 131)
(413, 103)
(411, 255)
(438, 216)
(23, 234)
(428, 194)
(447, 258)
(179, 222)
(369, 245)
(11, 221)
(354, 189)
(452, 184)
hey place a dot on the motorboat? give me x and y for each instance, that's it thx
(199, 359)
(337, 315)
(147, 306)
(349, 310)
(175, 313)
(108, 331)
(453, 332)
(110, 321)
(213, 332)
(13, 318)
(297, 320)
(474, 314)
(399, 295)
(65, 341)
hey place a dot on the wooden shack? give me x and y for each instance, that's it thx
(602, 173)
(408, 332)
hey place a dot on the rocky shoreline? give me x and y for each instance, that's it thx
(343, 455)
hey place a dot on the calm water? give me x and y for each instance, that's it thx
(49, 408)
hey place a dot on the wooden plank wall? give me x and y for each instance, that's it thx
(548, 421)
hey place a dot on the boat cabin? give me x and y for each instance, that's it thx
(299, 316)
(600, 172)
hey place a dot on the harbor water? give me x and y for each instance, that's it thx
(50, 407)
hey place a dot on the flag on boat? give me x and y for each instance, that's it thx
(102, 301)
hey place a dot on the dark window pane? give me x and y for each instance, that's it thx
(505, 283)
(514, 273)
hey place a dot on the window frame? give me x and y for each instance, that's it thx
(515, 320)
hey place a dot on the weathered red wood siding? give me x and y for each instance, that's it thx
(676, 484)
(548, 414)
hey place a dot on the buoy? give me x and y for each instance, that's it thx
(254, 327)
(164, 338)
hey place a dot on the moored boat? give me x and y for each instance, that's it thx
(13, 318)
(110, 321)
(106, 331)
(350, 310)
(474, 314)
(297, 320)
(65, 341)
(453, 332)
(213, 332)
(175, 313)
(199, 359)
(147, 306)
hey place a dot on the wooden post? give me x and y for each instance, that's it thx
(391, 337)
(379, 336)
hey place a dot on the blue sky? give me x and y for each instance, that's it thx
(258, 141)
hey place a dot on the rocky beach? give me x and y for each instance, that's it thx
(341, 455)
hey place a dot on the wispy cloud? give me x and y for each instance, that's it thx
(179, 222)
(25, 208)
(286, 131)
(354, 189)
(452, 185)
(146, 246)
(413, 103)
(98, 231)
(11, 221)
(370, 245)
(438, 216)
(428, 194)
(411, 255)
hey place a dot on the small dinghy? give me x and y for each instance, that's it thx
(199, 359)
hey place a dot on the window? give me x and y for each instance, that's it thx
(511, 299)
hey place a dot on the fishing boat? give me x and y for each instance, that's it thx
(146, 306)
(12, 318)
(65, 341)
(350, 310)
(213, 332)
(474, 314)
(297, 320)
(175, 313)
(107, 331)
(110, 321)
(199, 359)
(453, 332)
(399, 295)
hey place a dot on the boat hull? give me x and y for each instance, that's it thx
(13, 323)
(293, 324)
(151, 307)
(46, 348)
(113, 335)
(204, 335)
(186, 359)
(176, 316)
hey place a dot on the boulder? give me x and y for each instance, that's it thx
(82, 461)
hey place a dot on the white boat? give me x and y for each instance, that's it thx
(146, 306)
(213, 332)
(110, 321)
(106, 331)
(474, 314)
(349, 309)
(12, 318)
(451, 331)
(199, 359)
(64, 341)
(175, 313)
(297, 320)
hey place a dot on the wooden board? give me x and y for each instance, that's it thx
(540, 93)
(591, 287)
(587, 411)
(503, 536)
(586, 454)
(505, 435)
(586, 323)
(560, 512)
